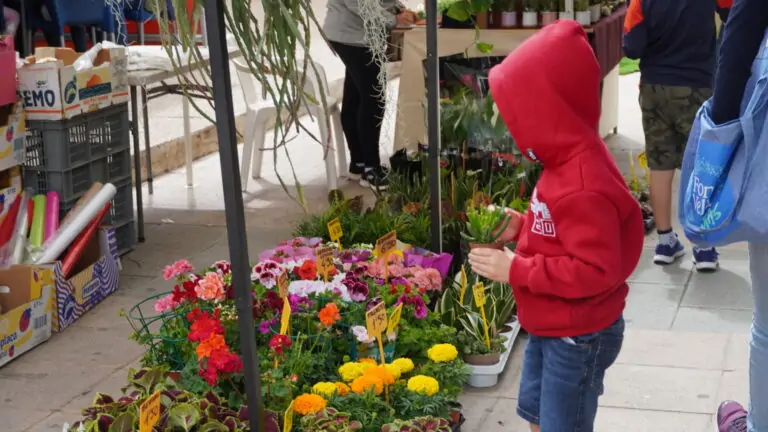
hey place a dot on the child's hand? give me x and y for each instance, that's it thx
(515, 221)
(491, 263)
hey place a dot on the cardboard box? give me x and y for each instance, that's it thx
(10, 186)
(13, 134)
(53, 90)
(95, 277)
(25, 311)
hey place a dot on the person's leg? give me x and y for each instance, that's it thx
(572, 380)
(79, 38)
(662, 144)
(686, 101)
(731, 416)
(530, 383)
(350, 106)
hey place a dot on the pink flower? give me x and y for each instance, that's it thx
(211, 287)
(178, 268)
(428, 279)
(165, 304)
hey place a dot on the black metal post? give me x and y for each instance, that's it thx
(233, 204)
(433, 127)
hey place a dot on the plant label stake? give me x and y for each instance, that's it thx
(385, 246)
(288, 418)
(285, 317)
(282, 284)
(394, 319)
(642, 160)
(632, 174)
(376, 323)
(324, 262)
(335, 232)
(478, 290)
(149, 412)
(463, 280)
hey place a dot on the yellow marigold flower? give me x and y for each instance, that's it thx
(382, 373)
(442, 353)
(368, 360)
(349, 371)
(324, 389)
(424, 385)
(308, 404)
(342, 388)
(404, 364)
(365, 382)
(394, 370)
(365, 366)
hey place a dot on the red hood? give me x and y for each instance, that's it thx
(548, 93)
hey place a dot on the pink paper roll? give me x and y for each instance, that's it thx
(51, 214)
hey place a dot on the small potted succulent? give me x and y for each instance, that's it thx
(566, 9)
(583, 16)
(485, 224)
(548, 10)
(530, 14)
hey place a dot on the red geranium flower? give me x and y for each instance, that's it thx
(204, 325)
(307, 271)
(279, 343)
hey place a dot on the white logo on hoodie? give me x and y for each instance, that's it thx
(542, 220)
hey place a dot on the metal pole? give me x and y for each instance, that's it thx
(233, 205)
(433, 128)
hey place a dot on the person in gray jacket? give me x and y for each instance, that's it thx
(362, 106)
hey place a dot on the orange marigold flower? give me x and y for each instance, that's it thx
(342, 388)
(208, 346)
(365, 382)
(309, 404)
(381, 373)
(329, 314)
(369, 360)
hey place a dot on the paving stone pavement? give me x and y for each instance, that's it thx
(685, 349)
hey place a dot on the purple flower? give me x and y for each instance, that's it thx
(266, 325)
(298, 302)
(420, 309)
(373, 302)
(355, 256)
(357, 289)
(399, 281)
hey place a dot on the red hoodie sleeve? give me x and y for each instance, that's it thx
(589, 228)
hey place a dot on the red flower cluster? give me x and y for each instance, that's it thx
(307, 271)
(186, 291)
(214, 354)
(279, 343)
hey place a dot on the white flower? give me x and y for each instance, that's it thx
(362, 334)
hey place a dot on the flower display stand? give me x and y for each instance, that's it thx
(488, 376)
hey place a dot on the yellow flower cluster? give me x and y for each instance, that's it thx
(362, 384)
(424, 385)
(308, 404)
(351, 370)
(442, 353)
(324, 389)
(394, 370)
(404, 364)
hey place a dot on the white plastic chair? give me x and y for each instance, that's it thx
(261, 113)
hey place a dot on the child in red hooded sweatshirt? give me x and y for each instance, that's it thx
(581, 237)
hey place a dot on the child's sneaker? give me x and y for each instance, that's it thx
(731, 417)
(355, 171)
(376, 178)
(705, 260)
(669, 252)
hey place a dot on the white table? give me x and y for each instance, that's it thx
(149, 65)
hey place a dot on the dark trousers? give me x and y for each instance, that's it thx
(362, 107)
(78, 33)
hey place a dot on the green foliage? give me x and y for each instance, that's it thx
(329, 420)
(452, 376)
(418, 336)
(408, 404)
(420, 424)
(484, 225)
(371, 411)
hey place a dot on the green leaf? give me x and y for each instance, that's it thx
(214, 426)
(484, 47)
(123, 423)
(184, 416)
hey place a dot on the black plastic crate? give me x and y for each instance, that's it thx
(119, 165)
(125, 234)
(71, 183)
(60, 145)
(121, 210)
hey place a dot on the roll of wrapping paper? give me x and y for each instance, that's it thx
(30, 213)
(95, 188)
(78, 246)
(38, 220)
(72, 227)
(9, 222)
(51, 214)
(18, 242)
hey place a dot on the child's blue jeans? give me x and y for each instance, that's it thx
(563, 378)
(758, 353)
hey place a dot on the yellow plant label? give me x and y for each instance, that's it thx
(386, 245)
(478, 290)
(394, 319)
(285, 317)
(149, 412)
(376, 320)
(324, 262)
(463, 284)
(288, 418)
(642, 160)
(334, 230)
(282, 284)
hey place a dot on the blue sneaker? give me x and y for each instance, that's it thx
(668, 253)
(705, 260)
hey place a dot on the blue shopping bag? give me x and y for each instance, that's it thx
(724, 177)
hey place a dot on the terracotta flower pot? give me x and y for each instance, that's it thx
(482, 359)
(497, 246)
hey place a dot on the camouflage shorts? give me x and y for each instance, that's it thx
(668, 114)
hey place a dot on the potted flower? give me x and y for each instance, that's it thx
(530, 14)
(566, 9)
(484, 227)
(507, 14)
(475, 346)
(583, 16)
(595, 11)
(548, 9)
